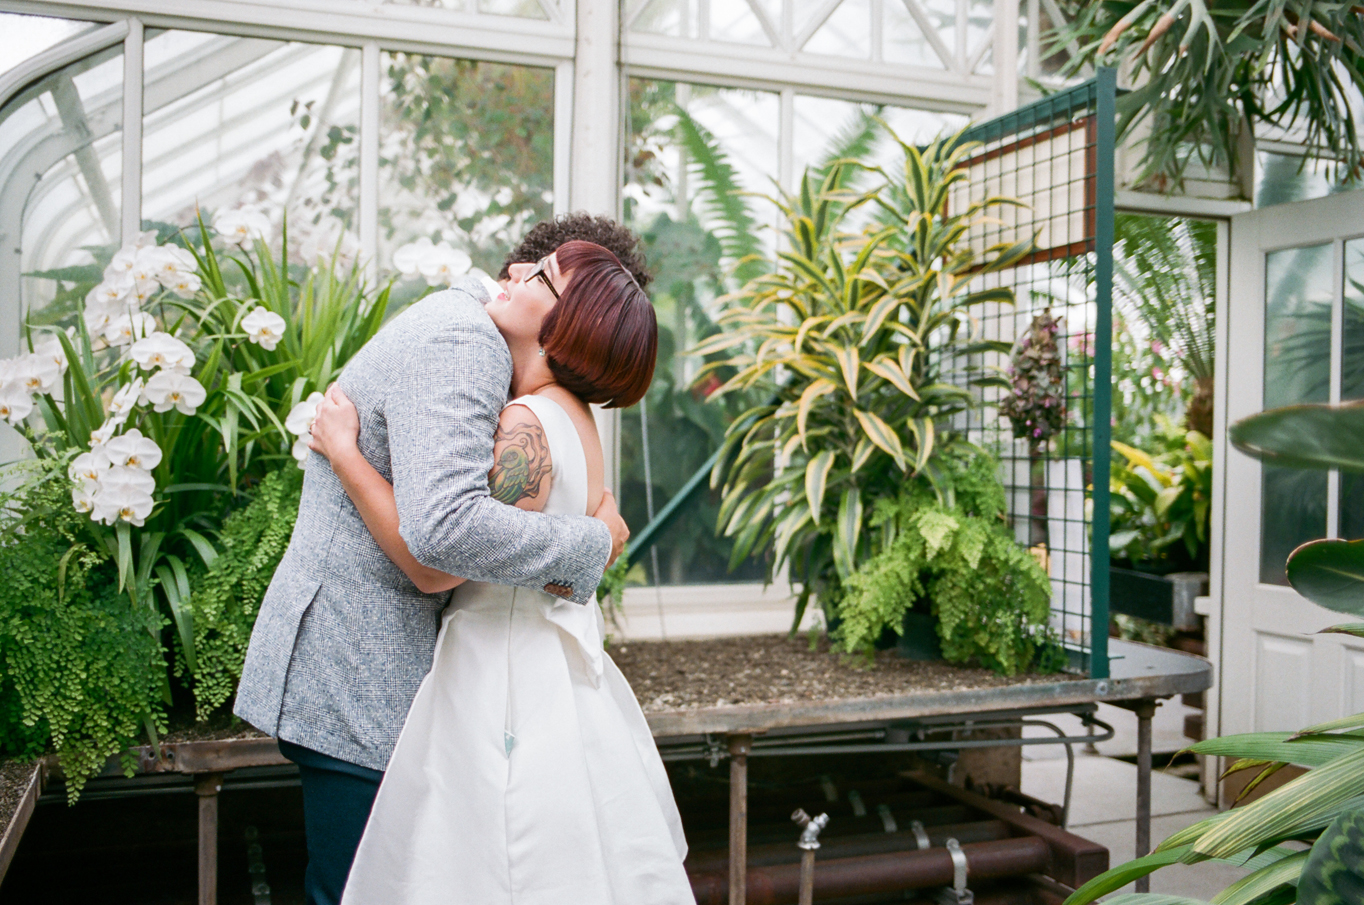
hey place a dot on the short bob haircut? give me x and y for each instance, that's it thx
(601, 337)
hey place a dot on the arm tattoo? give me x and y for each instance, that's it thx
(523, 465)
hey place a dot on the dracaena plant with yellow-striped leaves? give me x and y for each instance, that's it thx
(862, 341)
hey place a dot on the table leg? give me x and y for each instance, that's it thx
(739, 746)
(207, 786)
(1144, 710)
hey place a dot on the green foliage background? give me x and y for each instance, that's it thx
(954, 552)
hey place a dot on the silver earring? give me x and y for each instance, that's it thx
(542, 353)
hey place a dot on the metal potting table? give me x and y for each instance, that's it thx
(1141, 676)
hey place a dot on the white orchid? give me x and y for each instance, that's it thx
(241, 226)
(161, 350)
(300, 419)
(132, 450)
(110, 292)
(89, 466)
(129, 328)
(36, 373)
(97, 319)
(125, 400)
(83, 496)
(122, 501)
(104, 433)
(15, 402)
(127, 476)
(52, 350)
(122, 263)
(170, 389)
(443, 264)
(184, 284)
(330, 240)
(264, 327)
(407, 258)
(300, 450)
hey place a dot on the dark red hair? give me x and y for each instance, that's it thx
(601, 337)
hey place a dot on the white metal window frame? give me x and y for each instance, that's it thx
(582, 42)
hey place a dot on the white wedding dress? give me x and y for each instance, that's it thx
(525, 774)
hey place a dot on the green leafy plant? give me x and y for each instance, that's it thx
(859, 340)
(225, 596)
(168, 403)
(949, 549)
(1324, 806)
(1160, 502)
(1203, 73)
(81, 670)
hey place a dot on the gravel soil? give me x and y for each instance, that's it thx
(777, 669)
(14, 778)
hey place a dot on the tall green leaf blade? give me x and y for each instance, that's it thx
(1309, 751)
(1116, 878)
(1263, 881)
(816, 475)
(1288, 809)
(847, 531)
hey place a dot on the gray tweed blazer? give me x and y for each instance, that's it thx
(343, 638)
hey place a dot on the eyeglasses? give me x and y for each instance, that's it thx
(543, 273)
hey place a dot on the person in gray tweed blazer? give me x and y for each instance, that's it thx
(343, 638)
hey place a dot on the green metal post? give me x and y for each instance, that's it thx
(1105, 114)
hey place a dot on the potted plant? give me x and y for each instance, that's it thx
(162, 395)
(858, 340)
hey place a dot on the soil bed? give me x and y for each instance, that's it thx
(14, 779)
(776, 669)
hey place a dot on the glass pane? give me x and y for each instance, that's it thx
(65, 130)
(1282, 178)
(241, 122)
(28, 36)
(668, 17)
(1352, 381)
(827, 129)
(466, 157)
(904, 40)
(440, 4)
(980, 14)
(847, 33)
(733, 21)
(1297, 369)
(526, 9)
(678, 134)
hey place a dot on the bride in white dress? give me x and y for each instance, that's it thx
(525, 773)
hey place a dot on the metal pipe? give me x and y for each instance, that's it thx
(740, 744)
(1145, 710)
(702, 752)
(207, 786)
(768, 854)
(808, 843)
(845, 877)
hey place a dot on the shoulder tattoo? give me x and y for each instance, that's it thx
(523, 464)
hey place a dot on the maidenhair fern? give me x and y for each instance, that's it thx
(226, 597)
(81, 664)
(946, 546)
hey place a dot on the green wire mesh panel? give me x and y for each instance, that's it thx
(1056, 156)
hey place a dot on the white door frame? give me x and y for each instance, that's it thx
(1274, 673)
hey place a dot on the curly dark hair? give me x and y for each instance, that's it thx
(547, 235)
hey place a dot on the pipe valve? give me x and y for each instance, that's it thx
(810, 827)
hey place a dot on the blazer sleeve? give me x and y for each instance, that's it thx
(441, 413)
